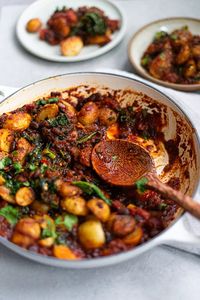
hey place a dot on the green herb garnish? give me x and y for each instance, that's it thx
(60, 120)
(91, 188)
(145, 60)
(160, 34)
(43, 168)
(49, 153)
(50, 230)
(18, 167)
(173, 36)
(47, 101)
(68, 221)
(85, 138)
(90, 24)
(114, 157)
(141, 184)
(5, 162)
(10, 213)
(14, 185)
(162, 206)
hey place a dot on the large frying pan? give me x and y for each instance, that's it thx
(177, 122)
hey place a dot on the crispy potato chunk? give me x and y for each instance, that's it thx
(6, 138)
(33, 25)
(71, 46)
(190, 69)
(134, 237)
(65, 189)
(5, 194)
(17, 121)
(98, 40)
(183, 55)
(107, 116)
(91, 234)
(113, 132)
(2, 180)
(70, 110)
(161, 64)
(121, 225)
(63, 252)
(48, 111)
(40, 207)
(88, 114)
(196, 51)
(75, 205)
(47, 242)
(25, 196)
(23, 147)
(99, 208)
(26, 232)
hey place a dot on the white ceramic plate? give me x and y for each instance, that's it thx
(43, 9)
(142, 38)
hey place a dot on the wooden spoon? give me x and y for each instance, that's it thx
(122, 163)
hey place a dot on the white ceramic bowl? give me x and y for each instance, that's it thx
(43, 9)
(142, 38)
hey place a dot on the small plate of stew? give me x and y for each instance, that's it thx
(70, 31)
(167, 52)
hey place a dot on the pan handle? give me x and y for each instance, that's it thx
(182, 235)
(5, 91)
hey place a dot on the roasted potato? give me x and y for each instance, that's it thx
(6, 138)
(91, 234)
(5, 194)
(161, 64)
(113, 131)
(26, 232)
(121, 225)
(48, 111)
(183, 55)
(71, 46)
(99, 208)
(23, 147)
(24, 196)
(40, 207)
(33, 25)
(134, 237)
(2, 180)
(75, 205)
(17, 121)
(88, 114)
(190, 69)
(47, 242)
(107, 116)
(196, 51)
(66, 189)
(70, 110)
(63, 252)
(98, 40)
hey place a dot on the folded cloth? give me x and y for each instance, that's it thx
(190, 103)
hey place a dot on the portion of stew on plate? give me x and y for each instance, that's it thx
(174, 57)
(72, 29)
(51, 200)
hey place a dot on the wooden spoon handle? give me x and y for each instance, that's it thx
(184, 201)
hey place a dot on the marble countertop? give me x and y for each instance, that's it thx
(162, 273)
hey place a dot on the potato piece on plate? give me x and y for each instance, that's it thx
(33, 25)
(71, 46)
